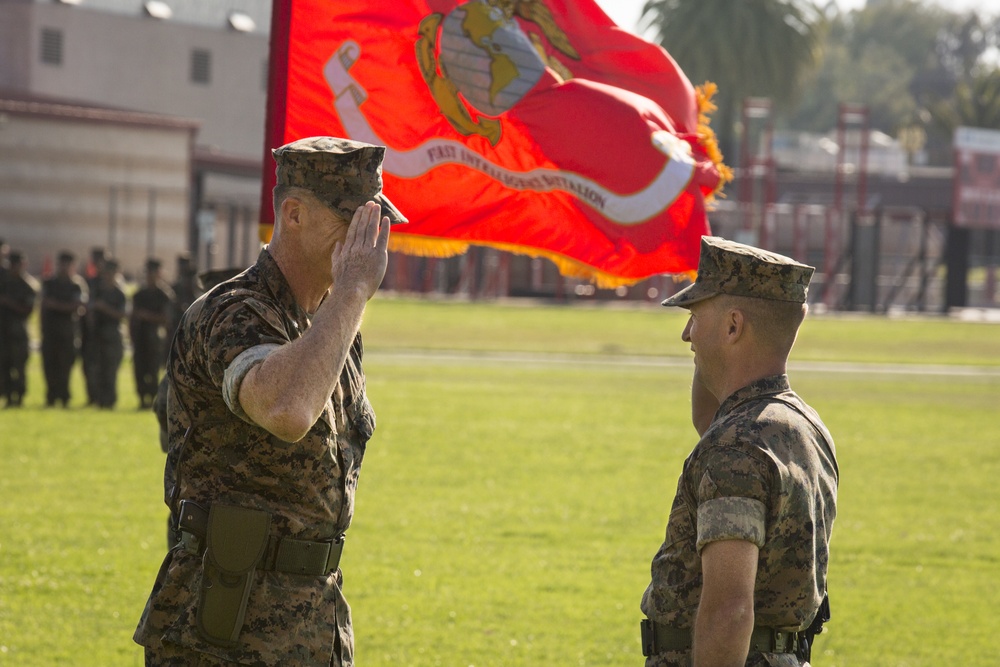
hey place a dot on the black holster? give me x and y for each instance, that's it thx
(236, 540)
(807, 636)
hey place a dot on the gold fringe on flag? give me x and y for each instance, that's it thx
(427, 246)
(706, 135)
(264, 231)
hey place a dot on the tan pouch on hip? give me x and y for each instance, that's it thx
(236, 542)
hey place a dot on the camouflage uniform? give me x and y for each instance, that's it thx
(216, 455)
(89, 345)
(764, 472)
(3, 315)
(60, 333)
(155, 301)
(107, 346)
(185, 290)
(17, 300)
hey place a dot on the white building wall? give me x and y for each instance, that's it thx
(68, 184)
(144, 64)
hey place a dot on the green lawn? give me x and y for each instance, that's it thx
(518, 486)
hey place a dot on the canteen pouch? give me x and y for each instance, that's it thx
(235, 543)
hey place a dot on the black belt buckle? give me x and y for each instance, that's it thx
(648, 633)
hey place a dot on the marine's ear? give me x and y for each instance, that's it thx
(293, 211)
(735, 322)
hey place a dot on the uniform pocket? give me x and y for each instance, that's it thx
(362, 417)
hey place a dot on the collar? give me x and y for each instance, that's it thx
(768, 386)
(276, 283)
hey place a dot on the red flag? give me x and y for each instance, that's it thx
(538, 127)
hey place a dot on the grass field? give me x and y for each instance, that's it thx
(519, 483)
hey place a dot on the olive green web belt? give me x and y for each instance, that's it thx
(659, 638)
(283, 554)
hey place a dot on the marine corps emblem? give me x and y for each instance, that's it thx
(478, 62)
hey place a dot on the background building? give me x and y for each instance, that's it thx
(138, 125)
(74, 74)
(77, 177)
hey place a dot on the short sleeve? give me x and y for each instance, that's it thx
(233, 378)
(731, 519)
(732, 497)
(239, 326)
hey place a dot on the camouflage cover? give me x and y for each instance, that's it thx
(344, 174)
(308, 486)
(728, 267)
(761, 473)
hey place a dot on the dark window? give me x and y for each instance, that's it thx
(201, 66)
(52, 46)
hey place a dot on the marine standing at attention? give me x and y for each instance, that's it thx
(64, 298)
(741, 577)
(267, 424)
(150, 316)
(17, 300)
(105, 312)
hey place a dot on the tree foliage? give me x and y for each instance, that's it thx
(911, 62)
(750, 48)
(906, 60)
(976, 103)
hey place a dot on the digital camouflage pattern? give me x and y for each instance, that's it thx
(727, 267)
(215, 456)
(344, 174)
(765, 471)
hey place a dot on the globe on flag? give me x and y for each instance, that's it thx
(535, 127)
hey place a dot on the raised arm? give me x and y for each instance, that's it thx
(287, 391)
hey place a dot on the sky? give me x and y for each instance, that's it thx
(626, 12)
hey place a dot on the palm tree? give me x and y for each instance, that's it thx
(750, 48)
(976, 103)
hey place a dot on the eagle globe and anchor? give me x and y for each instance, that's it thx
(478, 63)
(487, 57)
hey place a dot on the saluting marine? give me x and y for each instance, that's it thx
(267, 424)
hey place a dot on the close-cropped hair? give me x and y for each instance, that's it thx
(775, 323)
(282, 192)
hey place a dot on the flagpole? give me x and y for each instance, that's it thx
(277, 93)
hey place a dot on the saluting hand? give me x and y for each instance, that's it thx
(360, 260)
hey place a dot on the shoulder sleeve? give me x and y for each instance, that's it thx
(241, 323)
(236, 371)
(732, 496)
